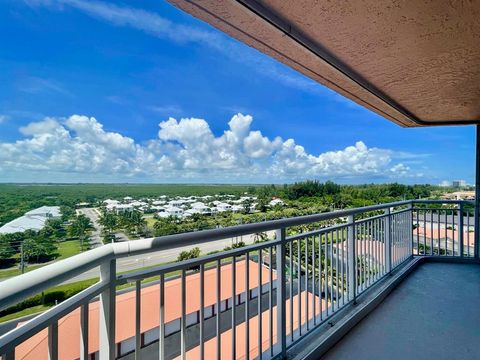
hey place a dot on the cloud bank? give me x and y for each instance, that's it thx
(184, 150)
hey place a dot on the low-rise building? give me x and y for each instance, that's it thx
(32, 220)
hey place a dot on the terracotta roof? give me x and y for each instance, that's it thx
(35, 348)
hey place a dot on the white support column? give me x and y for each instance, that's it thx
(107, 311)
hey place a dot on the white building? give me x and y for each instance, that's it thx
(32, 220)
(275, 202)
(174, 211)
(191, 212)
(238, 208)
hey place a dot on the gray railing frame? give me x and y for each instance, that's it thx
(21, 287)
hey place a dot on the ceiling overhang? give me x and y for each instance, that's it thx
(416, 63)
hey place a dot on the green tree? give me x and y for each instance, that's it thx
(189, 254)
(109, 222)
(80, 227)
(6, 248)
(38, 249)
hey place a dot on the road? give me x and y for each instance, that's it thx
(155, 258)
(96, 235)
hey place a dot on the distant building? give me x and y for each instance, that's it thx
(275, 202)
(459, 183)
(32, 220)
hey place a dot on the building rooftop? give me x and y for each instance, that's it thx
(32, 220)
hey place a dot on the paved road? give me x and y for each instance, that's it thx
(96, 236)
(151, 259)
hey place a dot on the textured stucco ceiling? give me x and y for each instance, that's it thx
(414, 62)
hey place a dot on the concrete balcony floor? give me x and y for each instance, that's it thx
(433, 314)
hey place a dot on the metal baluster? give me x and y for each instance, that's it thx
(259, 304)
(331, 272)
(327, 294)
(343, 265)
(351, 266)
(270, 295)
(446, 233)
(161, 334)
(417, 242)
(202, 310)
(460, 229)
(84, 331)
(336, 268)
(313, 283)
(234, 318)
(138, 306)
(424, 231)
(291, 289)
(299, 284)
(320, 275)
(281, 323)
(453, 232)
(306, 283)
(468, 232)
(219, 304)
(431, 233)
(388, 244)
(8, 354)
(183, 325)
(364, 277)
(53, 341)
(247, 305)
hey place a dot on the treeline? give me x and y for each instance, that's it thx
(342, 196)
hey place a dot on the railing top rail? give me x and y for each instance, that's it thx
(443, 201)
(19, 288)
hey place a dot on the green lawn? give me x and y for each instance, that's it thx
(65, 249)
(69, 248)
(150, 220)
(24, 312)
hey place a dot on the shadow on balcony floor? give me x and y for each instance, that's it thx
(433, 314)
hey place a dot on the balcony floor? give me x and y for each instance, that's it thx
(432, 314)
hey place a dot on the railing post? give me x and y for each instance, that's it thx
(460, 227)
(107, 311)
(351, 253)
(410, 227)
(281, 294)
(9, 355)
(388, 241)
(53, 341)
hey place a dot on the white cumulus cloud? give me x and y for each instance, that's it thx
(79, 147)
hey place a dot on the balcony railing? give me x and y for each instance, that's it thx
(250, 302)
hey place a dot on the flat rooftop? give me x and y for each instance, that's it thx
(433, 314)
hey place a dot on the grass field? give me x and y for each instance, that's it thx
(65, 249)
(150, 220)
(68, 248)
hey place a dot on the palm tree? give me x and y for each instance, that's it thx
(109, 222)
(79, 228)
(137, 221)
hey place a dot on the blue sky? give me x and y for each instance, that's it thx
(87, 89)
